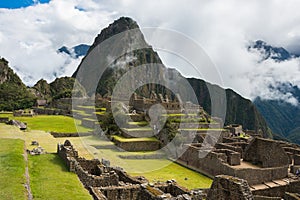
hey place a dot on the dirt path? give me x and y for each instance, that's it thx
(27, 184)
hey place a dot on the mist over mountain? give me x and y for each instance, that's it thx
(269, 52)
(282, 116)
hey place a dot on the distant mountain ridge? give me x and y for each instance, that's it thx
(276, 53)
(76, 51)
(282, 117)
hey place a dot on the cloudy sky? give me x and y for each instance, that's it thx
(31, 31)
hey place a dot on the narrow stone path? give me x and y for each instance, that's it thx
(27, 184)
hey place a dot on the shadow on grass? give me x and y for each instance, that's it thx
(58, 161)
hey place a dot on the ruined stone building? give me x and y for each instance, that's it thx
(109, 183)
(258, 176)
(268, 166)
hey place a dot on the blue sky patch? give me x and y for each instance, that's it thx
(13, 4)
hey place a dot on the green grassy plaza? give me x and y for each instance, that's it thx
(153, 169)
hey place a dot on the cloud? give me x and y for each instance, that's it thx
(224, 29)
(30, 37)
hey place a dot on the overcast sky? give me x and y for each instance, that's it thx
(30, 36)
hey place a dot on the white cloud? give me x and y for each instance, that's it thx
(29, 37)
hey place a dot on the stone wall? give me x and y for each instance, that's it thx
(234, 146)
(297, 159)
(292, 150)
(279, 190)
(260, 175)
(213, 164)
(126, 178)
(89, 180)
(173, 189)
(138, 145)
(51, 111)
(76, 134)
(291, 196)
(228, 187)
(89, 172)
(266, 198)
(218, 162)
(265, 152)
(233, 157)
(121, 192)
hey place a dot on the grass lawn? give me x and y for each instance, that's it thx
(152, 169)
(12, 169)
(46, 140)
(179, 173)
(55, 123)
(49, 179)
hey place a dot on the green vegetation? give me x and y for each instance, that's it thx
(13, 93)
(201, 129)
(122, 139)
(42, 90)
(51, 123)
(90, 119)
(138, 129)
(185, 177)
(50, 179)
(152, 169)
(100, 113)
(12, 169)
(141, 123)
(64, 88)
(86, 107)
(179, 114)
(282, 117)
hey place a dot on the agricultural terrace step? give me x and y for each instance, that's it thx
(144, 139)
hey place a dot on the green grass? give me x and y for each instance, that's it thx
(179, 114)
(141, 123)
(138, 129)
(90, 119)
(54, 123)
(179, 173)
(49, 179)
(122, 139)
(152, 169)
(6, 114)
(100, 113)
(202, 129)
(12, 169)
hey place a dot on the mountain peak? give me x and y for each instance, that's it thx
(7, 74)
(76, 51)
(118, 26)
(276, 53)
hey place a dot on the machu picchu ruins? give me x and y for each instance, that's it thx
(189, 105)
